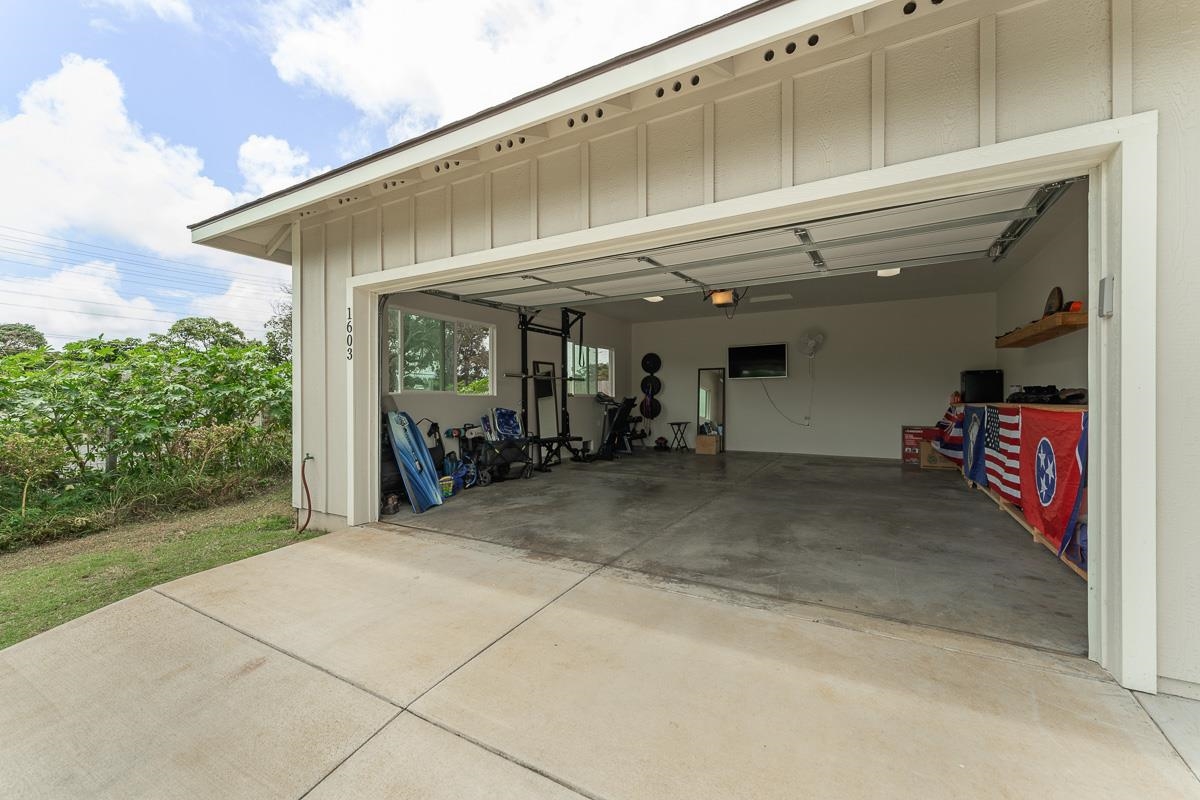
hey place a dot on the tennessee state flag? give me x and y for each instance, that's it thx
(1051, 469)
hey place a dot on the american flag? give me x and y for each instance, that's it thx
(950, 441)
(1002, 451)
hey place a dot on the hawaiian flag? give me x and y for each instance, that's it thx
(974, 433)
(1051, 470)
(1002, 451)
(949, 441)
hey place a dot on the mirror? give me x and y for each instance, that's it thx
(710, 402)
(545, 394)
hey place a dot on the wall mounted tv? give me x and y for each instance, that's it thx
(757, 361)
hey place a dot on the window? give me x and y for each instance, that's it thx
(428, 354)
(590, 370)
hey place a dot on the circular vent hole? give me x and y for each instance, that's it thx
(571, 122)
(584, 118)
(910, 7)
(659, 92)
(446, 165)
(521, 140)
(498, 148)
(677, 86)
(695, 80)
(812, 40)
(791, 48)
(599, 113)
(769, 55)
(437, 168)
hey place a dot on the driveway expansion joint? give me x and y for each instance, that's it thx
(398, 706)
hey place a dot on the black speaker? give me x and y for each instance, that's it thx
(982, 386)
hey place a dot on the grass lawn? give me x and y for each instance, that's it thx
(44, 586)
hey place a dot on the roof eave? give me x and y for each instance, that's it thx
(735, 32)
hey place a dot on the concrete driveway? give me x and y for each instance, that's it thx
(404, 664)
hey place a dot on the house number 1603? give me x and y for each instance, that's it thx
(349, 335)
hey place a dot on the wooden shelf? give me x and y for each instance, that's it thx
(1044, 329)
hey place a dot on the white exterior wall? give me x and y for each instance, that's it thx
(966, 73)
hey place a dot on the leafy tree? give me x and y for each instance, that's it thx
(202, 333)
(474, 358)
(279, 331)
(29, 459)
(18, 337)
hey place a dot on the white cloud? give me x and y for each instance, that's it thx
(77, 166)
(102, 25)
(78, 302)
(167, 10)
(269, 164)
(244, 303)
(414, 65)
(73, 160)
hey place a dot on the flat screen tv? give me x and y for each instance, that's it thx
(755, 361)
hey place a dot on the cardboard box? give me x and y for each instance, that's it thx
(932, 459)
(709, 444)
(911, 437)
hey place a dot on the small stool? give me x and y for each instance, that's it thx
(678, 442)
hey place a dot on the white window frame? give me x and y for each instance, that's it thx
(572, 349)
(400, 311)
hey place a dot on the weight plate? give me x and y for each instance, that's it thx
(652, 385)
(651, 363)
(651, 408)
(1054, 303)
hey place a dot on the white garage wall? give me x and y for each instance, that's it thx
(932, 87)
(1059, 259)
(883, 365)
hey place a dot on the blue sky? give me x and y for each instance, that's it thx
(121, 121)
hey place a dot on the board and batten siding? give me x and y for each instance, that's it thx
(971, 73)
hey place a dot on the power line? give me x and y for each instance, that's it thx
(140, 255)
(97, 314)
(145, 270)
(165, 283)
(39, 250)
(249, 320)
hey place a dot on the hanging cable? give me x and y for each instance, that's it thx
(812, 394)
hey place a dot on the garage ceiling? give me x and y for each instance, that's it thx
(972, 227)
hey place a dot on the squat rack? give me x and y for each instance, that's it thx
(549, 447)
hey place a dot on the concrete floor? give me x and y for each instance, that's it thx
(395, 663)
(853, 534)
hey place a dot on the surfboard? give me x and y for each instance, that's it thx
(416, 465)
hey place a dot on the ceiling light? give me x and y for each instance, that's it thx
(653, 299)
(888, 273)
(722, 298)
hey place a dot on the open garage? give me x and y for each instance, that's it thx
(781, 477)
(850, 212)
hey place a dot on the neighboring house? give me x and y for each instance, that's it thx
(777, 118)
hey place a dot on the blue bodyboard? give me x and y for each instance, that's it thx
(416, 465)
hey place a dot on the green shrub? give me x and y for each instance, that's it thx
(103, 432)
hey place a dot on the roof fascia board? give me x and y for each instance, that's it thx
(713, 45)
